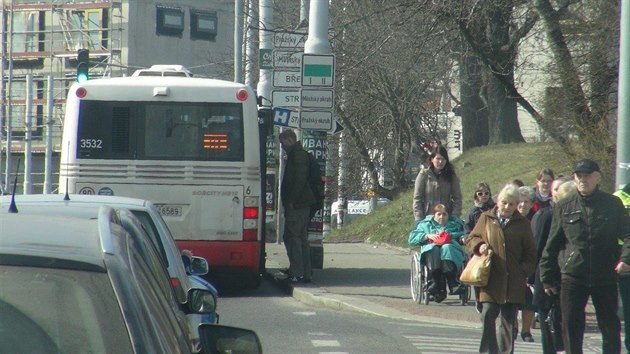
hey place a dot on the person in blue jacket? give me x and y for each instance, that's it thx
(443, 260)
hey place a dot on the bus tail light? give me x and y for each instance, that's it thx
(81, 92)
(175, 283)
(242, 95)
(250, 218)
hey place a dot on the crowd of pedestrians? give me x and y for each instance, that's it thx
(554, 245)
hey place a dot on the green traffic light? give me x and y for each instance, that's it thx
(82, 77)
(83, 60)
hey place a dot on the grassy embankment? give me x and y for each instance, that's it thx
(496, 165)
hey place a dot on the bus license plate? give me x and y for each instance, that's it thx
(169, 210)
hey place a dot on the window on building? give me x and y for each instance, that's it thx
(169, 21)
(28, 35)
(89, 29)
(203, 25)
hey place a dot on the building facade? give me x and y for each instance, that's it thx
(40, 40)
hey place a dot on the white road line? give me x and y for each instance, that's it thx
(325, 343)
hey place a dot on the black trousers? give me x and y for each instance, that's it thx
(573, 300)
(489, 314)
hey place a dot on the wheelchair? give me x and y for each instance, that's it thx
(420, 283)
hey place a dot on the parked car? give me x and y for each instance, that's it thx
(87, 206)
(77, 285)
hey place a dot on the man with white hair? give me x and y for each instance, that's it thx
(584, 257)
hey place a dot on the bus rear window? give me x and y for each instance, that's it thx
(160, 131)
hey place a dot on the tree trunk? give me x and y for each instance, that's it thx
(473, 110)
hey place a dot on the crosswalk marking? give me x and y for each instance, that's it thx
(325, 343)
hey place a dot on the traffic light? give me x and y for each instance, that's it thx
(83, 64)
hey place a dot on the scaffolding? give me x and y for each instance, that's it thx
(40, 39)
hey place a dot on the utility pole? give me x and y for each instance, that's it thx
(318, 43)
(623, 111)
(238, 41)
(250, 46)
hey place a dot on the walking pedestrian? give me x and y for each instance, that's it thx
(437, 183)
(526, 200)
(483, 202)
(624, 276)
(543, 189)
(583, 255)
(505, 232)
(297, 199)
(550, 323)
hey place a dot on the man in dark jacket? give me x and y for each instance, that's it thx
(582, 255)
(297, 199)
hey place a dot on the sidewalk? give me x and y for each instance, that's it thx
(372, 279)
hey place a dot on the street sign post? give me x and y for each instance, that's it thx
(286, 78)
(265, 59)
(287, 59)
(288, 40)
(285, 98)
(318, 70)
(286, 118)
(316, 98)
(316, 120)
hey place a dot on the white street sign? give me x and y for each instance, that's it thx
(318, 70)
(316, 120)
(285, 98)
(284, 78)
(286, 118)
(287, 59)
(289, 40)
(316, 98)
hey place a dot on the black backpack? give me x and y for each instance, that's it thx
(316, 182)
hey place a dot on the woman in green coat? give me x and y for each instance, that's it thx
(443, 260)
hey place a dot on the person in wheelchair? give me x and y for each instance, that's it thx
(441, 251)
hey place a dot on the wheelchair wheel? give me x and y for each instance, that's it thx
(416, 279)
(425, 279)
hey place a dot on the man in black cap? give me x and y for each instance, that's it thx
(583, 256)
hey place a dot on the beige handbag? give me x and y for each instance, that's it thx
(477, 271)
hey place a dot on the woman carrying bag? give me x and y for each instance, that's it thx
(508, 235)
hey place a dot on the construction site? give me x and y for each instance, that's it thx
(40, 42)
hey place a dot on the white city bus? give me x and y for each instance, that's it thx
(190, 145)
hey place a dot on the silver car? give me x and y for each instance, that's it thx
(76, 285)
(87, 206)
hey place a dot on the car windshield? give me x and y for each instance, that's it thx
(47, 310)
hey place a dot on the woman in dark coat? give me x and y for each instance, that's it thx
(541, 223)
(505, 232)
(483, 202)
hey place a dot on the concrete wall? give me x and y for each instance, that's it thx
(142, 47)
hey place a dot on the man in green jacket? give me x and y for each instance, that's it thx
(624, 277)
(297, 199)
(584, 257)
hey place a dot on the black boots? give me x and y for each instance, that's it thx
(455, 287)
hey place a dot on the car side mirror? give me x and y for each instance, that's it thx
(226, 339)
(198, 266)
(201, 301)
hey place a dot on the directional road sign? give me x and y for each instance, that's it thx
(286, 118)
(289, 40)
(287, 59)
(337, 127)
(316, 120)
(285, 78)
(316, 98)
(318, 70)
(265, 58)
(285, 98)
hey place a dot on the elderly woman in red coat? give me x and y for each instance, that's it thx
(509, 235)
